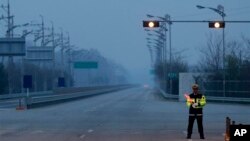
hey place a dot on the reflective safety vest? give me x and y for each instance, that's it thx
(196, 98)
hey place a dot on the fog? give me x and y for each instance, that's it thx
(114, 27)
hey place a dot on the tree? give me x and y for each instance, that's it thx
(178, 65)
(237, 66)
(211, 60)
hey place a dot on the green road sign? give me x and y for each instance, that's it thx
(172, 75)
(152, 71)
(85, 65)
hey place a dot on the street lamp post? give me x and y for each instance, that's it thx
(62, 54)
(168, 20)
(158, 47)
(163, 34)
(42, 30)
(220, 11)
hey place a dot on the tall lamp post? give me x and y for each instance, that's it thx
(167, 20)
(158, 48)
(220, 11)
(163, 35)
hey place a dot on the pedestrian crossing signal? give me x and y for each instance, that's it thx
(151, 24)
(217, 24)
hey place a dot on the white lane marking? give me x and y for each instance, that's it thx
(37, 132)
(82, 136)
(90, 130)
(136, 133)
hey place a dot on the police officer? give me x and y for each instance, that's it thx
(196, 101)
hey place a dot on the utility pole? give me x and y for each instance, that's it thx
(62, 54)
(54, 58)
(69, 59)
(9, 19)
(8, 35)
(221, 8)
(168, 20)
(164, 52)
(42, 43)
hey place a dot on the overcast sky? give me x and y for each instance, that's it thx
(114, 27)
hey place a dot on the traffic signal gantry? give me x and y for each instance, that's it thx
(211, 24)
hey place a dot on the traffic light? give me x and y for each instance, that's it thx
(151, 24)
(217, 24)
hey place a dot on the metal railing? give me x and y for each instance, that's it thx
(233, 88)
(22, 95)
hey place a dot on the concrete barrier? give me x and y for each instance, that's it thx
(59, 95)
(168, 96)
(70, 94)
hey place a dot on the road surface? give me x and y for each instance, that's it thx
(137, 114)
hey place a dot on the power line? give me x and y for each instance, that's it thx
(230, 12)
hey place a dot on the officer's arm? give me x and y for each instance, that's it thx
(202, 101)
(188, 103)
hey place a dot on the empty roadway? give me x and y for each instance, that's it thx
(137, 114)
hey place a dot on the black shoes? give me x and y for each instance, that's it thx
(202, 137)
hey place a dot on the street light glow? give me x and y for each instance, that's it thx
(217, 25)
(151, 24)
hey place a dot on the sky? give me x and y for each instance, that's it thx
(114, 27)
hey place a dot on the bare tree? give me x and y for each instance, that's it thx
(211, 59)
(237, 58)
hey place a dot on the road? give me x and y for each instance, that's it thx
(137, 114)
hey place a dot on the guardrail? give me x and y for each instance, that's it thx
(209, 98)
(22, 95)
(168, 96)
(61, 95)
(228, 99)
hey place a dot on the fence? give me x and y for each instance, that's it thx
(233, 88)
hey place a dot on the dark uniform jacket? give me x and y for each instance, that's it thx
(196, 98)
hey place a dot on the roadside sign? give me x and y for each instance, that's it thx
(40, 53)
(61, 82)
(86, 65)
(27, 81)
(12, 46)
(172, 75)
(152, 71)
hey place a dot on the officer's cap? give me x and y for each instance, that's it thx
(195, 86)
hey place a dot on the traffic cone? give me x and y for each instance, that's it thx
(20, 107)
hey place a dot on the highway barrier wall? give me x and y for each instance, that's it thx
(60, 95)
